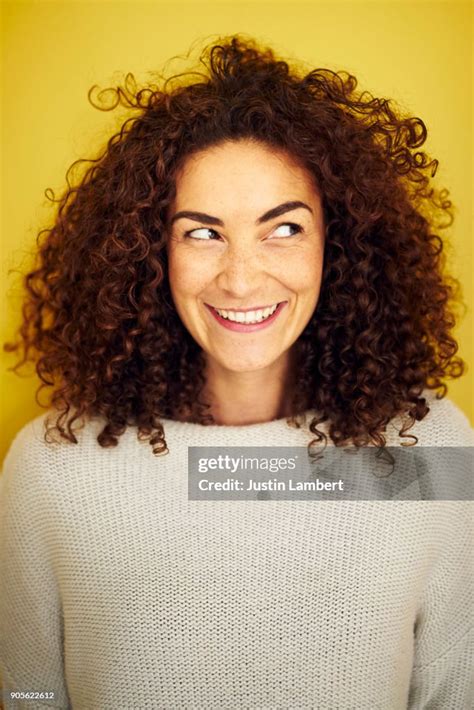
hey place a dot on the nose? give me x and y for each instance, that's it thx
(240, 272)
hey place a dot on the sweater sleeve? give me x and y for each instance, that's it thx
(31, 628)
(442, 676)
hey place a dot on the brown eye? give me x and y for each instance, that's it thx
(289, 229)
(203, 233)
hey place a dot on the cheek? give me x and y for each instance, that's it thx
(303, 274)
(186, 275)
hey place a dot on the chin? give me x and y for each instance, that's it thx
(246, 367)
(246, 364)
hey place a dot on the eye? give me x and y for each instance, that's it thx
(202, 233)
(289, 229)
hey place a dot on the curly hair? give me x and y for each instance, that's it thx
(98, 316)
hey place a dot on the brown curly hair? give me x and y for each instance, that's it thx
(98, 314)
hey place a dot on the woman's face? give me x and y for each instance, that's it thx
(246, 235)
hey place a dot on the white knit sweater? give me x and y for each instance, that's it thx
(117, 592)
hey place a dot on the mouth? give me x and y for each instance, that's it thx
(247, 320)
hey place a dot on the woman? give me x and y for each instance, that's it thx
(250, 262)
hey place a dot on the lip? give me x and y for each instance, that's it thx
(246, 310)
(246, 327)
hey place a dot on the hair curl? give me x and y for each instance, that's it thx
(98, 316)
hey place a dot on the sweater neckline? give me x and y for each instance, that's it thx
(272, 425)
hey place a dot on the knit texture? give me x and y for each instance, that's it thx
(118, 592)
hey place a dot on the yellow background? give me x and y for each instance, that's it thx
(416, 52)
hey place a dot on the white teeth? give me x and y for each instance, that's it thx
(249, 316)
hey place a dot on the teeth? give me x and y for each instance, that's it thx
(249, 316)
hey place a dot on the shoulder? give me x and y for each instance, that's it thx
(33, 439)
(38, 457)
(444, 425)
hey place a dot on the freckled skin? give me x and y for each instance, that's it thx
(243, 264)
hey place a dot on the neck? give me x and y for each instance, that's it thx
(257, 396)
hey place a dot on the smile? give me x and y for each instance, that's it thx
(249, 320)
(250, 316)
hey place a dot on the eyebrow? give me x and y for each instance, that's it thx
(266, 217)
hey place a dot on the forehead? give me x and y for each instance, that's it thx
(242, 174)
